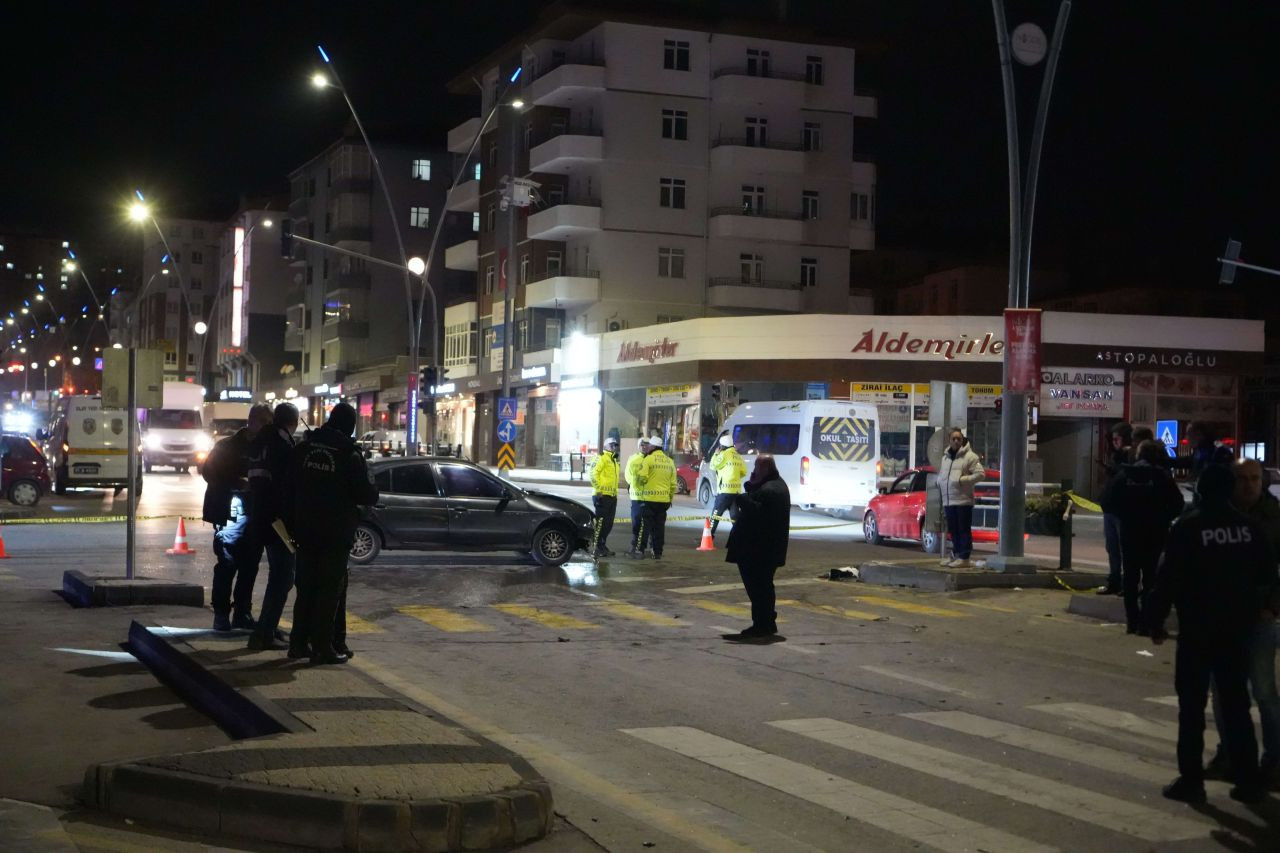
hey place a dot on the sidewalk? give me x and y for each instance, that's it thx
(358, 768)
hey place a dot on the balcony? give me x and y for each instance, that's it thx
(756, 295)
(862, 235)
(735, 85)
(461, 137)
(571, 219)
(738, 154)
(863, 174)
(866, 106)
(571, 290)
(345, 329)
(351, 281)
(571, 81)
(462, 256)
(757, 224)
(350, 233)
(465, 196)
(570, 148)
(293, 341)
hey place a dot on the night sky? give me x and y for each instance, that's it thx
(1162, 138)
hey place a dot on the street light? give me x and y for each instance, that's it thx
(200, 327)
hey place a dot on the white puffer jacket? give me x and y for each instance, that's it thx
(958, 474)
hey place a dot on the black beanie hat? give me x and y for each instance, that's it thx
(342, 418)
(1216, 484)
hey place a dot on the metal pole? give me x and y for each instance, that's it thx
(508, 318)
(131, 417)
(1013, 430)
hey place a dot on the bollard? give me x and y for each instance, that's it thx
(1064, 534)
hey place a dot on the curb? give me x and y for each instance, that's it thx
(83, 590)
(944, 580)
(319, 821)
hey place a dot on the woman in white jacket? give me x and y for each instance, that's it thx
(959, 471)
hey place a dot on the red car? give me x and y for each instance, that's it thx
(899, 512)
(686, 478)
(26, 474)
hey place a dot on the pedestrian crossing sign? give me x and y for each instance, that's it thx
(1167, 433)
(506, 408)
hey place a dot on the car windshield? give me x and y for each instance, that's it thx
(174, 419)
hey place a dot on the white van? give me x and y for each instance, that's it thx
(88, 446)
(826, 450)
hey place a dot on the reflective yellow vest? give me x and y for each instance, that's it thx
(657, 478)
(634, 461)
(730, 470)
(604, 475)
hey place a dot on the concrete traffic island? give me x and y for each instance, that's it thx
(358, 768)
(925, 574)
(84, 590)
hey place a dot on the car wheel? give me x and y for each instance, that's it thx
(24, 493)
(682, 488)
(704, 493)
(552, 546)
(365, 545)
(871, 529)
(60, 480)
(930, 540)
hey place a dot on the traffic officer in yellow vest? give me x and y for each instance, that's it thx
(604, 494)
(634, 461)
(730, 472)
(657, 478)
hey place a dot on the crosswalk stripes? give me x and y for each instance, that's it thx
(1055, 746)
(982, 606)
(1120, 721)
(356, 625)
(915, 679)
(639, 614)
(889, 812)
(444, 619)
(546, 618)
(908, 607)
(1068, 800)
(830, 610)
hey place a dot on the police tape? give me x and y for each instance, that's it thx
(1066, 585)
(726, 518)
(1083, 503)
(95, 519)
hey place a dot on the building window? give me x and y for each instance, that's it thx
(757, 132)
(490, 218)
(809, 204)
(191, 359)
(860, 207)
(306, 362)
(324, 269)
(419, 217)
(669, 318)
(675, 55)
(555, 263)
(752, 267)
(488, 279)
(197, 284)
(675, 124)
(524, 269)
(311, 274)
(555, 196)
(421, 170)
(493, 154)
(671, 193)
(175, 230)
(670, 263)
(477, 171)
(808, 272)
(171, 358)
(813, 70)
(757, 62)
(197, 257)
(475, 220)
(752, 200)
(812, 139)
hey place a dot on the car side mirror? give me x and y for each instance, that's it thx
(504, 500)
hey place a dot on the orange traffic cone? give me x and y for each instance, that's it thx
(708, 544)
(3, 555)
(180, 540)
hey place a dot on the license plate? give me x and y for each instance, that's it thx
(84, 469)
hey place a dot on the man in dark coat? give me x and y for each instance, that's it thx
(1216, 567)
(225, 500)
(268, 464)
(1118, 455)
(758, 543)
(1147, 500)
(329, 482)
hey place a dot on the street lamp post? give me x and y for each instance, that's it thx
(140, 212)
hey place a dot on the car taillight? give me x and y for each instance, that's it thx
(804, 470)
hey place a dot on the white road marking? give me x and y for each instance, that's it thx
(1122, 721)
(1080, 804)
(882, 810)
(1057, 746)
(726, 587)
(916, 680)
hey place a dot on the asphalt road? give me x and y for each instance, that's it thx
(885, 720)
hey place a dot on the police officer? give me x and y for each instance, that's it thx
(657, 477)
(330, 480)
(268, 464)
(730, 472)
(1216, 567)
(604, 497)
(224, 507)
(634, 461)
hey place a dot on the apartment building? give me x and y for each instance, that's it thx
(248, 325)
(179, 281)
(682, 173)
(347, 320)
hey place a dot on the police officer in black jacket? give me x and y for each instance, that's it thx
(329, 481)
(1217, 565)
(268, 470)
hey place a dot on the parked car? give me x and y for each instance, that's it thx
(686, 479)
(898, 513)
(382, 442)
(444, 503)
(26, 473)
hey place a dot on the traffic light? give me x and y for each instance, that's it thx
(286, 238)
(426, 387)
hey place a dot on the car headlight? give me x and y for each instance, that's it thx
(204, 442)
(151, 441)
